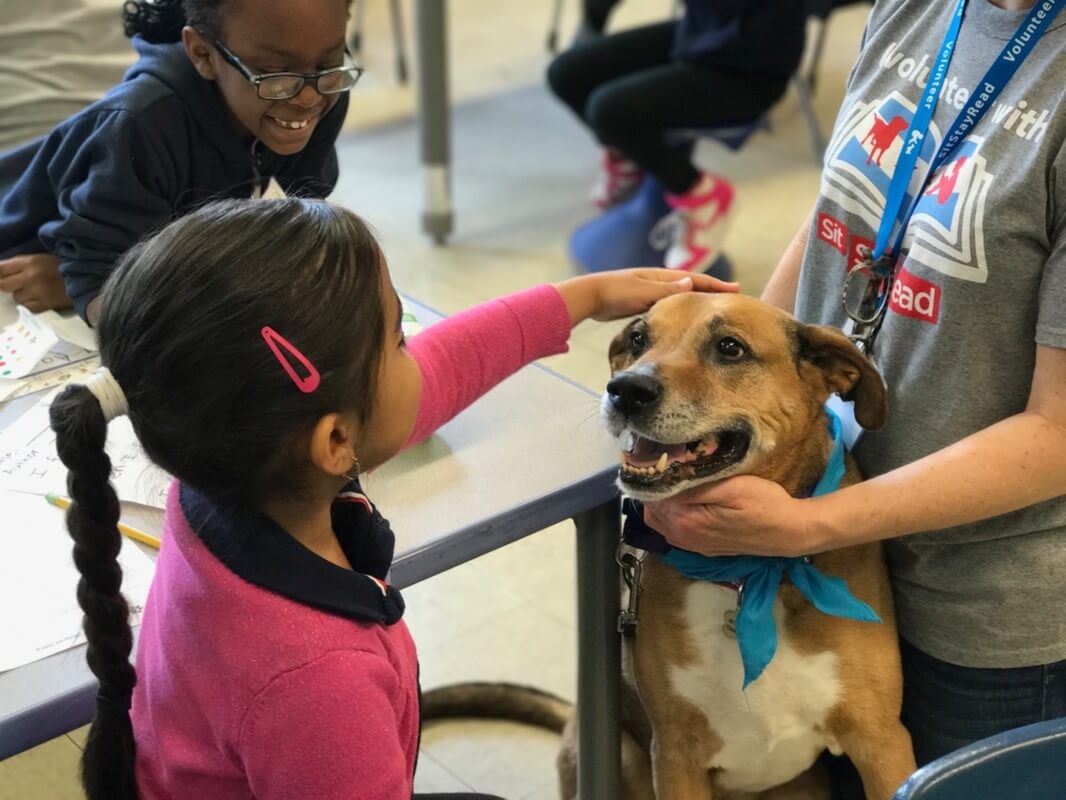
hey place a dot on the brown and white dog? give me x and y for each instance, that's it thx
(724, 385)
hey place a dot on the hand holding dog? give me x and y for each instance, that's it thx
(614, 295)
(744, 515)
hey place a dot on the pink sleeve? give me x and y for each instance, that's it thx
(465, 355)
(328, 730)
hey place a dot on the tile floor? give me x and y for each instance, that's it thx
(522, 168)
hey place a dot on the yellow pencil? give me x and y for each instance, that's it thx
(124, 529)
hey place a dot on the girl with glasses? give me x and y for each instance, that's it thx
(226, 100)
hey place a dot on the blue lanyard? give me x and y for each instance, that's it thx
(980, 101)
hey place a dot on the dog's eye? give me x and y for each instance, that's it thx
(638, 341)
(731, 348)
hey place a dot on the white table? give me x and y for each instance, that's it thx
(526, 456)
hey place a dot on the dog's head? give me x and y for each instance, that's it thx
(705, 386)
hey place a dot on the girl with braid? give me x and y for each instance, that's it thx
(228, 99)
(257, 348)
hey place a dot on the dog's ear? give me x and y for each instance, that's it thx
(619, 355)
(846, 371)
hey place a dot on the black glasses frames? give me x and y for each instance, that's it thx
(283, 85)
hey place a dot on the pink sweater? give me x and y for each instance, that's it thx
(245, 693)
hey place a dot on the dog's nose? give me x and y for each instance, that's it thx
(631, 393)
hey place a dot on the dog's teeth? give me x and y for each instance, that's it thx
(661, 465)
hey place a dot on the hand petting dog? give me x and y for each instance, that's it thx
(615, 295)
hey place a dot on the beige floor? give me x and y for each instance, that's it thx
(522, 167)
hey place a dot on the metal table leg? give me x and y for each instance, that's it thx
(433, 116)
(599, 667)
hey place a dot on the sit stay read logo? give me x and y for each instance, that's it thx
(946, 231)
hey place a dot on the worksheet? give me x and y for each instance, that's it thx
(29, 462)
(39, 612)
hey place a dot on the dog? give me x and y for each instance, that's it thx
(723, 385)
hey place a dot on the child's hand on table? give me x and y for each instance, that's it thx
(624, 293)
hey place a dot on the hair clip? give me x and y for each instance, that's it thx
(275, 341)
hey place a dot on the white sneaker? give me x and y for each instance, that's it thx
(692, 233)
(618, 181)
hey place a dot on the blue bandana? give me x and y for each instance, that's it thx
(761, 575)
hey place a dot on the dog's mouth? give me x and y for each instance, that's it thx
(649, 464)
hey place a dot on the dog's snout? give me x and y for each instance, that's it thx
(632, 393)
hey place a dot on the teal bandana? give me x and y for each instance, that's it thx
(761, 576)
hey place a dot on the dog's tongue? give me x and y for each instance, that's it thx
(647, 452)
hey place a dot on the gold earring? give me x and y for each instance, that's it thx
(355, 469)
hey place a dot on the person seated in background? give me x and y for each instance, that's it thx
(723, 63)
(226, 100)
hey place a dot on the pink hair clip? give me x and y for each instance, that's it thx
(275, 341)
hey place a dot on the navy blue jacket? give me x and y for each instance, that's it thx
(156, 146)
(743, 35)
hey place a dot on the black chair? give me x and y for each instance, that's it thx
(1023, 764)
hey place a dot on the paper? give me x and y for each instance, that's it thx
(38, 580)
(70, 328)
(29, 462)
(60, 370)
(408, 322)
(23, 343)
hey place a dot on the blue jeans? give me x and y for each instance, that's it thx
(946, 707)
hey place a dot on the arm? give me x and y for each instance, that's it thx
(1010, 465)
(329, 730)
(467, 354)
(111, 181)
(780, 290)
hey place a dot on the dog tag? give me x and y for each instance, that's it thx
(730, 626)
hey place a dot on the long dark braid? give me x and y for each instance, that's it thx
(81, 431)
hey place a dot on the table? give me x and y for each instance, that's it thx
(481, 482)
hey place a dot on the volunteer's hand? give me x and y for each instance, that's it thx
(744, 515)
(34, 281)
(614, 295)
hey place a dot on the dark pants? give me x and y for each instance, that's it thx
(946, 707)
(595, 13)
(627, 89)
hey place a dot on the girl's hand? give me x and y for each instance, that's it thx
(738, 516)
(624, 293)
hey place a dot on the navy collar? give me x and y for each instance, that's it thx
(260, 551)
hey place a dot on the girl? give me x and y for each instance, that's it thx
(225, 97)
(273, 662)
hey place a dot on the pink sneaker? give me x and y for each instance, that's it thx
(692, 233)
(618, 180)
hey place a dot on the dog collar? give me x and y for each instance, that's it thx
(760, 576)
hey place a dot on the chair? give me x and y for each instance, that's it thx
(355, 41)
(1023, 764)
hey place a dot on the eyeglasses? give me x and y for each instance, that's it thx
(283, 85)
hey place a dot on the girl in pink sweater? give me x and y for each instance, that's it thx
(257, 349)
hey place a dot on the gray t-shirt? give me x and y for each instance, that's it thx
(982, 281)
(56, 57)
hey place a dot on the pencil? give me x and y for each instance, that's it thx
(124, 529)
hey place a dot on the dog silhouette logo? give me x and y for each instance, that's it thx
(882, 134)
(946, 232)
